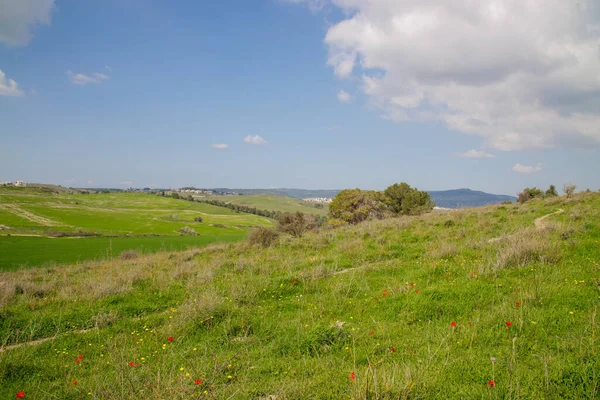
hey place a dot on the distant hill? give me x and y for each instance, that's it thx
(458, 198)
(295, 193)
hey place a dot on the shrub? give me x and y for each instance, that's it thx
(128, 254)
(333, 223)
(186, 230)
(355, 205)
(528, 194)
(198, 219)
(264, 237)
(175, 195)
(551, 192)
(296, 224)
(569, 189)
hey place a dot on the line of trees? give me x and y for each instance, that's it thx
(256, 211)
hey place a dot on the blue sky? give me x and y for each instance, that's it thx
(141, 93)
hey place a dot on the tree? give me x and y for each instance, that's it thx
(174, 195)
(355, 205)
(551, 192)
(190, 197)
(396, 194)
(569, 189)
(403, 199)
(528, 194)
(296, 224)
(417, 202)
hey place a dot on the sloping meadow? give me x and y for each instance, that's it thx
(474, 303)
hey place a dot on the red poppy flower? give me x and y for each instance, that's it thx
(393, 349)
(413, 284)
(372, 333)
(492, 383)
(20, 395)
(198, 381)
(417, 291)
(508, 323)
(74, 382)
(352, 376)
(170, 339)
(453, 324)
(518, 304)
(470, 323)
(377, 298)
(293, 282)
(132, 364)
(79, 359)
(385, 294)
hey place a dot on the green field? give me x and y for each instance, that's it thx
(31, 216)
(273, 203)
(486, 303)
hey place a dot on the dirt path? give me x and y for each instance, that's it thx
(19, 212)
(40, 341)
(539, 224)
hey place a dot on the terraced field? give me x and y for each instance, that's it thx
(34, 224)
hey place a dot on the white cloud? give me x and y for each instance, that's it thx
(81, 79)
(476, 154)
(254, 139)
(8, 87)
(108, 68)
(527, 169)
(313, 5)
(519, 74)
(19, 17)
(344, 97)
(220, 146)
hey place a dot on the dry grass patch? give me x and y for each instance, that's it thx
(527, 247)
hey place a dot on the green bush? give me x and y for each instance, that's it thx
(354, 205)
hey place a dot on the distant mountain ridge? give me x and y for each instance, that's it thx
(457, 198)
(461, 198)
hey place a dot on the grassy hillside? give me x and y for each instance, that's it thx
(274, 203)
(484, 303)
(30, 216)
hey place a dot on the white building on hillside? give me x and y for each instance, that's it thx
(20, 184)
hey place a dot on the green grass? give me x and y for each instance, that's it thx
(23, 252)
(298, 320)
(273, 203)
(30, 212)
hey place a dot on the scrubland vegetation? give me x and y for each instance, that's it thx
(492, 302)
